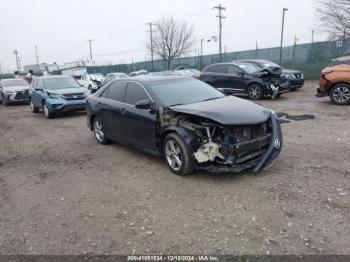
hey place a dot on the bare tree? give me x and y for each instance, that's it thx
(172, 39)
(334, 15)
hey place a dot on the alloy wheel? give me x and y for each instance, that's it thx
(98, 131)
(173, 154)
(254, 92)
(341, 94)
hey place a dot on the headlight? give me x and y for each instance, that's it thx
(288, 76)
(55, 96)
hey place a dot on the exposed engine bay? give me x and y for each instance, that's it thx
(234, 147)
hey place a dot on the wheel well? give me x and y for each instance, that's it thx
(162, 138)
(92, 117)
(255, 83)
(333, 85)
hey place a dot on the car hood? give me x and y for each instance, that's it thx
(15, 88)
(67, 91)
(227, 111)
(290, 71)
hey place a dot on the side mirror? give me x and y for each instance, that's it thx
(143, 104)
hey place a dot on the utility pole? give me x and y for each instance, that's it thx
(220, 16)
(282, 32)
(294, 49)
(151, 35)
(90, 40)
(312, 36)
(37, 59)
(256, 49)
(201, 54)
(16, 54)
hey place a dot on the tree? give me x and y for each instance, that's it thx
(172, 39)
(334, 15)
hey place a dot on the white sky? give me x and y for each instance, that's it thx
(60, 28)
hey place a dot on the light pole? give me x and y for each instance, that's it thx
(213, 38)
(283, 14)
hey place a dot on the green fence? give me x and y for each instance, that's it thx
(309, 58)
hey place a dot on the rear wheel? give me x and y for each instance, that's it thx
(99, 131)
(340, 94)
(255, 91)
(176, 155)
(33, 108)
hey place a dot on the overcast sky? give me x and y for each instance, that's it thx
(60, 28)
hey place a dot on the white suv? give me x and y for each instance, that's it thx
(91, 81)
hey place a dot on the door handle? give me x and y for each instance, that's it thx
(123, 111)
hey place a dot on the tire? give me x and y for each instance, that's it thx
(47, 113)
(255, 92)
(340, 94)
(33, 108)
(176, 155)
(90, 88)
(4, 101)
(292, 89)
(99, 132)
(2, 98)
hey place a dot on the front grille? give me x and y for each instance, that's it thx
(73, 97)
(22, 95)
(246, 142)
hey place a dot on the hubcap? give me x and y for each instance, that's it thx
(98, 131)
(173, 154)
(341, 94)
(254, 92)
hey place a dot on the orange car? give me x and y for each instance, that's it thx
(335, 81)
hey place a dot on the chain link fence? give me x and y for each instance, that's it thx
(308, 58)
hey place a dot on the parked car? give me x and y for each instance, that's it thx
(91, 81)
(188, 122)
(13, 91)
(335, 81)
(244, 78)
(57, 94)
(111, 76)
(188, 72)
(294, 78)
(138, 73)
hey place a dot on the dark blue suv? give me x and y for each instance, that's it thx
(57, 94)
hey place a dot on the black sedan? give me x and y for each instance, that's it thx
(189, 123)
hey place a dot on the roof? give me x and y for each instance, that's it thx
(253, 60)
(145, 79)
(54, 76)
(344, 58)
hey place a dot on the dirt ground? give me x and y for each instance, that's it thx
(62, 193)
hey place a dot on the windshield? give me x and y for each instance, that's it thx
(14, 82)
(184, 91)
(249, 68)
(270, 64)
(60, 83)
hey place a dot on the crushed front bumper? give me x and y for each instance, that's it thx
(18, 96)
(262, 161)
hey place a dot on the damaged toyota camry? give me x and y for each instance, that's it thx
(190, 124)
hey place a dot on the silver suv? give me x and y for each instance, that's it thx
(14, 90)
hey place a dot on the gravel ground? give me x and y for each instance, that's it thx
(62, 193)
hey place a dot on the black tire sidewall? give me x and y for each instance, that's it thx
(187, 159)
(331, 93)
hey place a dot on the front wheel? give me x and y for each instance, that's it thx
(255, 92)
(47, 112)
(176, 155)
(33, 108)
(340, 94)
(4, 100)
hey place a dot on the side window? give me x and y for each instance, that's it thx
(116, 91)
(223, 69)
(135, 93)
(234, 70)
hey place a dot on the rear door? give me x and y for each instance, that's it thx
(138, 125)
(217, 76)
(110, 104)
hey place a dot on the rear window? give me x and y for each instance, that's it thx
(223, 69)
(116, 91)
